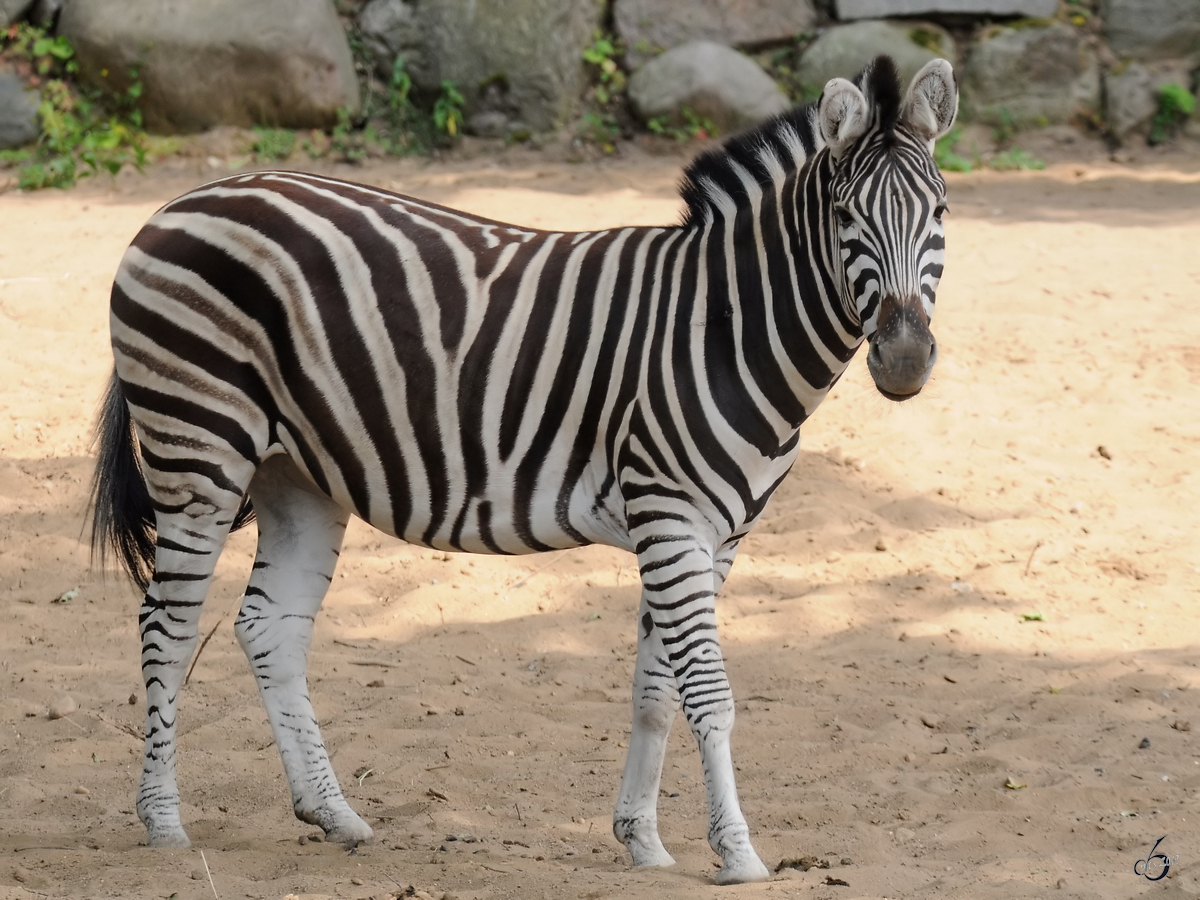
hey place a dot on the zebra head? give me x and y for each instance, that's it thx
(885, 216)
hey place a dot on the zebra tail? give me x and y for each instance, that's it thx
(122, 515)
(123, 521)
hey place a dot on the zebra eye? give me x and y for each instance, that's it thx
(844, 217)
(940, 211)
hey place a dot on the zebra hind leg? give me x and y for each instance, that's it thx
(193, 521)
(300, 535)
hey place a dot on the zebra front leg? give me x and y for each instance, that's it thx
(655, 702)
(299, 536)
(186, 554)
(679, 577)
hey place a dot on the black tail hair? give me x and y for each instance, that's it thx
(123, 519)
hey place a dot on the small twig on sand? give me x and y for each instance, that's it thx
(204, 643)
(1029, 562)
(522, 582)
(121, 726)
(208, 873)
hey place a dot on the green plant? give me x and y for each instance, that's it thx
(608, 75)
(781, 64)
(82, 131)
(945, 155)
(273, 144)
(694, 127)
(448, 110)
(927, 38)
(1006, 126)
(1015, 159)
(602, 129)
(1175, 104)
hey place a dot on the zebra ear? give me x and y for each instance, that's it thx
(841, 115)
(932, 102)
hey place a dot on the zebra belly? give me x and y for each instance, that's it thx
(494, 518)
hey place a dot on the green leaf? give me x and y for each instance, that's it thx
(1033, 617)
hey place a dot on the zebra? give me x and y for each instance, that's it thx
(300, 349)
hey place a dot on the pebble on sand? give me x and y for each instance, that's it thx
(63, 706)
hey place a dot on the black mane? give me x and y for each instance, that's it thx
(779, 137)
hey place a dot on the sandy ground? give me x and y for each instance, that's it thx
(898, 716)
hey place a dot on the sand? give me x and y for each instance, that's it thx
(949, 637)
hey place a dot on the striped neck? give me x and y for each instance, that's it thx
(760, 207)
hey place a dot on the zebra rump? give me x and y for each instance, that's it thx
(123, 521)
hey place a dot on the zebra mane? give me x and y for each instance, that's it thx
(779, 146)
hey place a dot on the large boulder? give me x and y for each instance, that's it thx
(219, 62)
(712, 81)
(18, 112)
(390, 28)
(518, 64)
(845, 49)
(13, 11)
(1131, 93)
(848, 10)
(1153, 29)
(1033, 74)
(650, 26)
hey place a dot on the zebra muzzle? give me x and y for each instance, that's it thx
(903, 349)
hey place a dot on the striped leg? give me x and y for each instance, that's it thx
(299, 537)
(655, 702)
(679, 578)
(191, 533)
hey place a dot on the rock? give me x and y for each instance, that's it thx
(1144, 744)
(712, 80)
(63, 706)
(844, 49)
(13, 11)
(521, 60)
(904, 835)
(283, 63)
(931, 720)
(650, 26)
(1153, 29)
(18, 112)
(389, 29)
(1130, 101)
(1031, 75)
(881, 9)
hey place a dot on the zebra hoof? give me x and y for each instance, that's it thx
(169, 838)
(640, 837)
(743, 871)
(350, 832)
(649, 853)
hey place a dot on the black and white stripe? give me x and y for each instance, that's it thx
(324, 348)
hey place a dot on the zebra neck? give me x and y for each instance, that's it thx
(770, 305)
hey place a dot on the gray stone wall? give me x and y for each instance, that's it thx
(519, 63)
